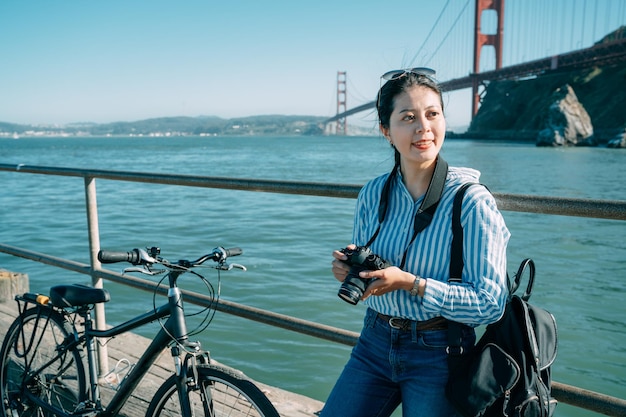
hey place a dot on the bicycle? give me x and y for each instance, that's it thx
(42, 356)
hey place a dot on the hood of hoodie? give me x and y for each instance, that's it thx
(460, 175)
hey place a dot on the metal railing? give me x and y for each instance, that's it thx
(606, 209)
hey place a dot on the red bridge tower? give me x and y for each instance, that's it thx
(482, 39)
(342, 125)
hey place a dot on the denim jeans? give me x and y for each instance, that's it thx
(389, 367)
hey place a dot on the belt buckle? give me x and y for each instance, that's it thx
(400, 326)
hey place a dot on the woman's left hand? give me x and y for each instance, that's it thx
(386, 280)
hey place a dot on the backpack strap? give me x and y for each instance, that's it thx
(456, 253)
(456, 271)
(514, 284)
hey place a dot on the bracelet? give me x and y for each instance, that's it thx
(416, 285)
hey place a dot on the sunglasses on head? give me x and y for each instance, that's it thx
(395, 74)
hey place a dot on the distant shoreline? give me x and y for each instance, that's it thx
(602, 136)
(529, 137)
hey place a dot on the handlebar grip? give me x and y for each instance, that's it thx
(110, 257)
(233, 251)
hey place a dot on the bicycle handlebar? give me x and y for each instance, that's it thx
(236, 251)
(141, 257)
(111, 257)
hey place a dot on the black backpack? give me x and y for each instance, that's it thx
(508, 371)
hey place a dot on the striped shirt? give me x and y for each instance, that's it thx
(481, 296)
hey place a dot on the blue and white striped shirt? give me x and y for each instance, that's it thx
(481, 296)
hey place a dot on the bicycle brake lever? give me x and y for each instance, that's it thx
(143, 270)
(228, 267)
(238, 266)
(146, 257)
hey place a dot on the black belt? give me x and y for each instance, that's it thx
(436, 323)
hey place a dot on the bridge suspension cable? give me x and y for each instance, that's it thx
(448, 33)
(432, 30)
(537, 40)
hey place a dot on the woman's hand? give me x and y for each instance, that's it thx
(388, 279)
(340, 268)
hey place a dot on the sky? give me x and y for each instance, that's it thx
(65, 61)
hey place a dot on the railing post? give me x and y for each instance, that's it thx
(94, 247)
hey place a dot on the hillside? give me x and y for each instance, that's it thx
(516, 108)
(176, 126)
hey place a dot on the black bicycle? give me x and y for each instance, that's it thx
(46, 349)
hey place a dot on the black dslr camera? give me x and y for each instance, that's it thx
(360, 259)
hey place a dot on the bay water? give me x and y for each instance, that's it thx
(288, 239)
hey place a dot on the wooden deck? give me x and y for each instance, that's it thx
(130, 346)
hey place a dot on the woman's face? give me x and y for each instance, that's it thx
(417, 126)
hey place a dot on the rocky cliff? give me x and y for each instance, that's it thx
(583, 107)
(593, 99)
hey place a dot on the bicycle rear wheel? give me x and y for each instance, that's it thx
(219, 392)
(38, 374)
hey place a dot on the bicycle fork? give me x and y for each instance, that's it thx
(187, 381)
(177, 318)
(186, 370)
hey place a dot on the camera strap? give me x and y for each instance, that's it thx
(427, 208)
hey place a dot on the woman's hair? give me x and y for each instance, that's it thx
(389, 91)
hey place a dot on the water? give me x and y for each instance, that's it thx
(288, 239)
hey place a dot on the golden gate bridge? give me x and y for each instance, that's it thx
(608, 51)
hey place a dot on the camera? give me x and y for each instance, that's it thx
(360, 259)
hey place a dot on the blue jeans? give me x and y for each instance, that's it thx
(389, 367)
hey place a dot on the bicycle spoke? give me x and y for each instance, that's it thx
(37, 370)
(217, 394)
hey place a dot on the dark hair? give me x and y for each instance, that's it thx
(386, 97)
(389, 91)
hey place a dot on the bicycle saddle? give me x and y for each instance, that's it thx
(77, 295)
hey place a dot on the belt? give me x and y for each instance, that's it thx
(436, 323)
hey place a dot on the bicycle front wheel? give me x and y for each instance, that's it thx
(39, 375)
(219, 392)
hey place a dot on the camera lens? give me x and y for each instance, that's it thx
(349, 294)
(353, 286)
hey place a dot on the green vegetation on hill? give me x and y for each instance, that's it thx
(204, 125)
(520, 105)
(517, 108)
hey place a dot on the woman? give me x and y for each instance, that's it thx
(401, 354)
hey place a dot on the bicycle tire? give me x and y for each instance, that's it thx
(228, 394)
(37, 376)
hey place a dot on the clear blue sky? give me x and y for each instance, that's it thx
(68, 61)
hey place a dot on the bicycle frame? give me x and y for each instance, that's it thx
(173, 328)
